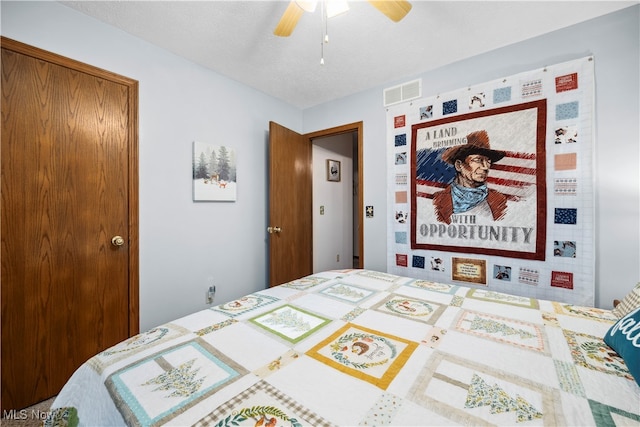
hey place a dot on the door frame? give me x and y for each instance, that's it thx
(132, 170)
(338, 130)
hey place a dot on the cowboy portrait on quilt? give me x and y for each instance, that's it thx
(479, 182)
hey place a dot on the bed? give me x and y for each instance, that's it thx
(360, 347)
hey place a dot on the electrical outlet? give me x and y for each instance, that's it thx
(338, 258)
(211, 293)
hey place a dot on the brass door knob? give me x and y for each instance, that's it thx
(117, 241)
(272, 230)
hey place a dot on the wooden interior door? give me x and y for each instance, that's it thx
(69, 186)
(290, 200)
(290, 236)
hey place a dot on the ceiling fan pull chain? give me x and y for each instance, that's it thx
(326, 22)
(325, 35)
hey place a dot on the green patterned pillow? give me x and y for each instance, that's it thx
(624, 338)
(629, 303)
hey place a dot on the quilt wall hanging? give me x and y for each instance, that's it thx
(492, 185)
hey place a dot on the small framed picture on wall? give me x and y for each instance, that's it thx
(333, 170)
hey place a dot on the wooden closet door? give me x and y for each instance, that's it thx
(69, 185)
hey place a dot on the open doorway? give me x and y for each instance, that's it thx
(337, 203)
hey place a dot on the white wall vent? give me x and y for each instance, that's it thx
(404, 92)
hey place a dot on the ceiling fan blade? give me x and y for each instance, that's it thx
(393, 9)
(289, 20)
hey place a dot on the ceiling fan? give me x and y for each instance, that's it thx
(393, 9)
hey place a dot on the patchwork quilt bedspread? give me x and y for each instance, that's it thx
(360, 347)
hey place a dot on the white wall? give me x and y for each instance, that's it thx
(182, 243)
(333, 230)
(613, 40)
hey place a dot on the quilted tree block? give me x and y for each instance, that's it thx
(158, 387)
(290, 323)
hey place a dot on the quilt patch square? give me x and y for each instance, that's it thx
(417, 261)
(402, 179)
(591, 352)
(562, 279)
(402, 197)
(385, 277)
(594, 313)
(305, 283)
(569, 378)
(412, 308)
(502, 298)
(347, 293)
(135, 344)
(565, 161)
(502, 94)
(401, 237)
(156, 388)
(531, 88)
(262, 404)
(566, 216)
(215, 327)
(566, 186)
(469, 393)
(244, 304)
(567, 82)
(402, 260)
(528, 276)
(277, 364)
(383, 411)
(502, 329)
(569, 110)
(434, 337)
(566, 134)
(443, 288)
(565, 248)
(290, 323)
(364, 353)
(353, 314)
(450, 107)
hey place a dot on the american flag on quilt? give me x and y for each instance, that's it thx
(514, 175)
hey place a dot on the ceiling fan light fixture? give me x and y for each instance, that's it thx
(307, 6)
(395, 10)
(336, 7)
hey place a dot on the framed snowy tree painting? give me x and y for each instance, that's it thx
(214, 173)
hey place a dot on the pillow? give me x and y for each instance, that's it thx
(624, 338)
(629, 303)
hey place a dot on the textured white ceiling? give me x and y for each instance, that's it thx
(365, 49)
